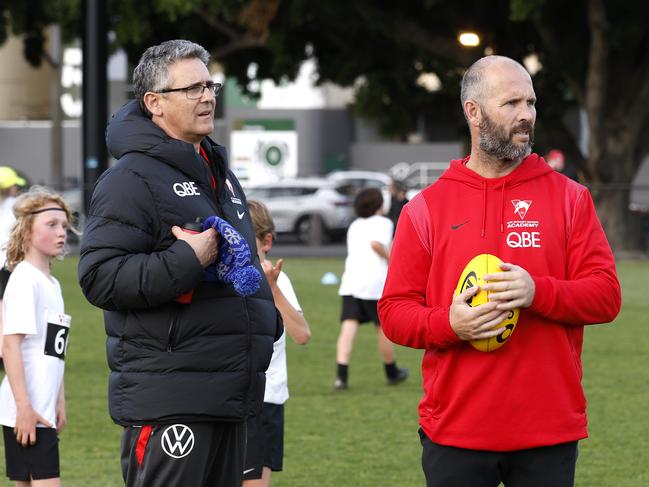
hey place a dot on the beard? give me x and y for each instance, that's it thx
(495, 142)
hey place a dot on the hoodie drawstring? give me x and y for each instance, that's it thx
(502, 209)
(484, 207)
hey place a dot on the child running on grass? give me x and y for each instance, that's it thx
(265, 447)
(368, 249)
(32, 402)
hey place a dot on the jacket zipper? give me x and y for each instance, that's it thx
(249, 355)
(220, 189)
(170, 333)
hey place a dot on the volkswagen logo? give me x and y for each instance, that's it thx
(177, 441)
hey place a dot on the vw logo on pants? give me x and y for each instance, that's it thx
(177, 441)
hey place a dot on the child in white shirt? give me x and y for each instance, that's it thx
(32, 402)
(369, 239)
(265, 445)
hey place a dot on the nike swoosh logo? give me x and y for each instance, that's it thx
(240, 215)
(248, 471)
(455, 227)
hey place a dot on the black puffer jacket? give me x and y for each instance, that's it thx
(203, 361)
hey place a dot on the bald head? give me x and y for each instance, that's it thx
(475, 82)
(499, 105)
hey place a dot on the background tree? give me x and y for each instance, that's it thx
(595, 57)
(594, 54)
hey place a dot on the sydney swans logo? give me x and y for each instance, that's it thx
(521, 207)
(177, 441)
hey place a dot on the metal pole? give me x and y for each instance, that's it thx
(56, 133)
(95, 94)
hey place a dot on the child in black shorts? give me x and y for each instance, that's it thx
(265, 447)
(32, 399)
(368, 248)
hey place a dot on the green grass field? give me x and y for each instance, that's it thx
(367, 436)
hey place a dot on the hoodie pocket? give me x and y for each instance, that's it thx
(434, 404)
(576, 360)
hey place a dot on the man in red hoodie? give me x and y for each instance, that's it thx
(513, 415)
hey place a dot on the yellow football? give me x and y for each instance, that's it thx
(472, 276)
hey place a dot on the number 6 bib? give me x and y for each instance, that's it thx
(58, 328)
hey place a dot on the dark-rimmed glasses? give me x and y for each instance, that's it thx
(194, 92)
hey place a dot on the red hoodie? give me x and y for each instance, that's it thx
(528, 393)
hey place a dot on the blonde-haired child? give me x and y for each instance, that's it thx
(32, 402)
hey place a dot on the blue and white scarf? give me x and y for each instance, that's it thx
(234, 263)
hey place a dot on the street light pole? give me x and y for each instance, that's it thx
(56, 114)
(95, 94)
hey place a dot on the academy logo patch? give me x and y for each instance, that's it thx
(521, 207)
(519, 238)
(177, 441)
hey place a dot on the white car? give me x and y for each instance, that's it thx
(313, 209)
(351, 182)
(360, 179)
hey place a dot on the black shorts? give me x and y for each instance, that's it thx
(4, 279)
(361, 310)
(265, 446)
(447, 466)
(183, 454)
(38, 462)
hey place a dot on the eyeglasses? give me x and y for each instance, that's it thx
(194, 92)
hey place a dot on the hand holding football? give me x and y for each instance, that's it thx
(472, 276)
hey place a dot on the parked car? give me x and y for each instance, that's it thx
(357, 180)
(351, 182)
(313, 209)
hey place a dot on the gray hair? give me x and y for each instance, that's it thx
(473, 85)
(472, 82)
(151, 72)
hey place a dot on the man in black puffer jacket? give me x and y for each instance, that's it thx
(184, 376)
